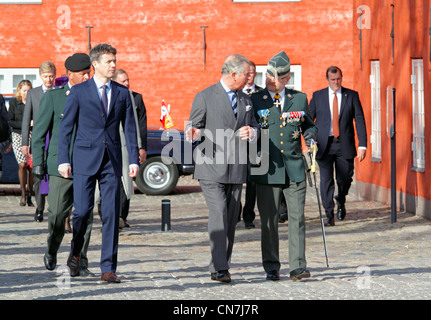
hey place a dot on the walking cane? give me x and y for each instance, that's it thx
(313, 148)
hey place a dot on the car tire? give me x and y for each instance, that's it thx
(156, 177)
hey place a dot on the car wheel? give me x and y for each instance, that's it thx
(156, 177)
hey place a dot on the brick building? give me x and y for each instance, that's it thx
(395, 54)
(160, 43)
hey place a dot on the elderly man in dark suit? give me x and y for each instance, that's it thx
(334, 109)
(60, 196)
(222, 119)
(96, 108)
(47, 73)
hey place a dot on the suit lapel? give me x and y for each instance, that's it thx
(344, 97)
(114, 94)
(288, 101)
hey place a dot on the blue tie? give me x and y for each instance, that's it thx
(105, 99)
(233, 101)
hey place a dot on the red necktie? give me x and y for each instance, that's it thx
(335, 125)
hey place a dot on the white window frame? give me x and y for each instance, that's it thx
(21, 2)
(418, 115)
(294, 83)
(6, 78)
(376, 113)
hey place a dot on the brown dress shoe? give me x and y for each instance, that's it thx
(110, 277)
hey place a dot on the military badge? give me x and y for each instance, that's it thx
(295, 116)
(296, 134)
(263, 118)
(284, 116)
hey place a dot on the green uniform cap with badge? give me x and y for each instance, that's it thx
(279, 65)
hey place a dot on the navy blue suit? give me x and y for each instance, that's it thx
(341, 151)
(96, 155)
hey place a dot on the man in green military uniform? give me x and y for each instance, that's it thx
(283, 115)
(60, 196)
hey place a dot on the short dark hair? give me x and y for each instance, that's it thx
(333, 69)
(101, 49)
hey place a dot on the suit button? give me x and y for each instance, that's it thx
(281, 134)
(282, 151)
(281, 126)
(281, 142)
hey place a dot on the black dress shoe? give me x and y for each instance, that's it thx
(282, 217)
(222, 276)
(29, 203)
(273, 275)
(330, 222)
(73, 264)
(341, 211)
(299, 274)
(249, 225)
(38, 216)
(50, 261)
(84, 272)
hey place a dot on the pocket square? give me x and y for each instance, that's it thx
(248, 107)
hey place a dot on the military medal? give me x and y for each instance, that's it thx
(284, 116)
(295, 116)
(277, 102)
(263, 114)
(296, 134)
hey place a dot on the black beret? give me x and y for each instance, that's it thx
(78, 62)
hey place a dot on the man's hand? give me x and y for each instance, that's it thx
(133, 171)
(25, 151)
(65, 170)
(39, 171)
(246, 133)
(361, 154)
(142, 156)
(308, 137)
(192, 134)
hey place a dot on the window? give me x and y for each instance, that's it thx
(376, 130)
(418, 112)
(294, 82)
(21, 2)
(10, 77)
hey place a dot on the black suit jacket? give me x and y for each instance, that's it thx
(142, 118)
(351, 109)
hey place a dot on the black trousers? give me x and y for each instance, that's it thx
(344, 168)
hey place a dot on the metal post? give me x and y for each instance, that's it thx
(393, 165)
(166, 215)
(204, 45)
(89, 37)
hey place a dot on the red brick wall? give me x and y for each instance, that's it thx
(159, 43)
(411, 21)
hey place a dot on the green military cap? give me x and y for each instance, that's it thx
(78, 62)
(279, 65)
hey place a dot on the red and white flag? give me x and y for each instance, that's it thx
(165, 118)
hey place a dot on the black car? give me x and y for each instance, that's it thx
(168, 158)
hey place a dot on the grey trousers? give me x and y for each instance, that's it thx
(224, 204)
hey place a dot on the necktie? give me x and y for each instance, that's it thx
(248, 91)
(105, 99)
(277, 100)
(233, 102)
(335, 125)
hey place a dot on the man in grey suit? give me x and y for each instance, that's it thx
(222, 119)
(47, 73)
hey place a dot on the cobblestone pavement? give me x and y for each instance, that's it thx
(369, 257)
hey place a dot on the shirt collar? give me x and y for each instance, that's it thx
(332, 91)
(100, 83)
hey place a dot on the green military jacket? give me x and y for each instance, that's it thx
(284, 132)
(48, 121)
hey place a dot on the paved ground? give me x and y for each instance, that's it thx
(369, 258)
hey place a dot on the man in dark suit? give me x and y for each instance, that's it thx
(47, 73)
(283, 114)
(248, 214)
(60, 196)
(336, 140)
(140, 113)
(96, 108)
(222, 119)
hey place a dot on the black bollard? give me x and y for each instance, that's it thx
(166, 215)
